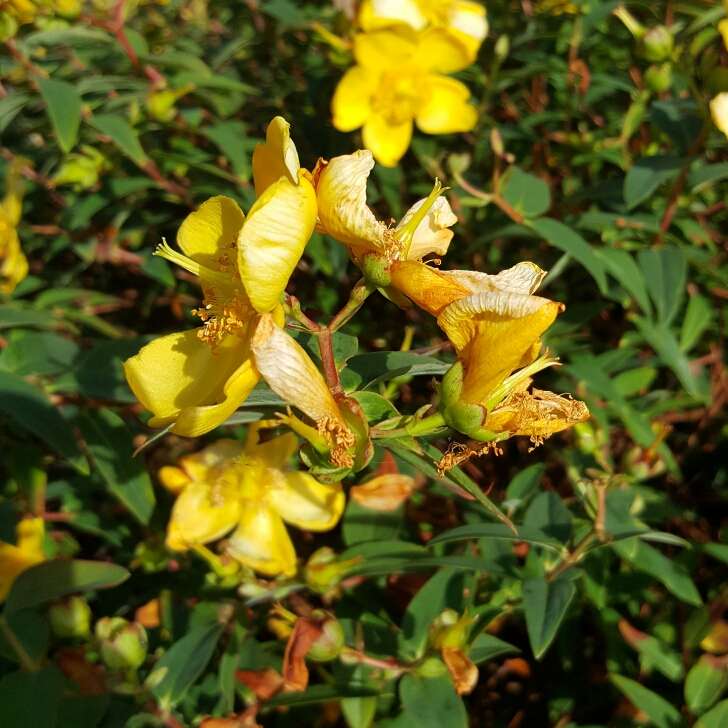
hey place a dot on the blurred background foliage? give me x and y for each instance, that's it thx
(594, 156)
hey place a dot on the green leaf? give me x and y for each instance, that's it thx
(367, 370)
(431, 702)
(123, 135)
(361, 525)
(38, 354)
(664, 270)
(674, 576)
(661, 713)
(30, 699)
(488, 647)
(655, 653)
(11, 317)
(679, 118)
(715, 718)
(184, 662)
(523, 486)
(526, 193)
(53, 579)
(31, 630)
(82, 711)
(230, 137)
(698, 317)
(706, 175)
(31, 408)
(633, 381)
(499, 531)
(64, 108)
(646, 174)
(705, 683)
(545, 604)
(623, 267)
(10, 107)
(548, 514)
(564, 238)
(315, 694)
(359, 712)
(112, 448)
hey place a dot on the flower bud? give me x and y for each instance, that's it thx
(161, 103)
(377, 269)
(496, 142)
(432, 667)
(502, 48)
(642, 464)
(123, 643)
(658, 78)
(71, 618)
(657, 44)
(78, 171)
(324, 571)
(450, 630)
(329, 644)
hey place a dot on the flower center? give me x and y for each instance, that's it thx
(338, 435)
(401, 94)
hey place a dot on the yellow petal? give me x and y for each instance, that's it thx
(14, 560)
(215, 225)
(521, 278)
(262, 542)
(440, 51)
(203, 512)
(384, 49)
(387, 142)
(431, 235)
(173, 479)
(276, 158)
(273, 238)
(304, 502)
(195, 421)
(447, 109)
(222, 453)
(538, 414)
(351, 105)
(30, 534)
(13, 263)
(723, 30)
(374, 14)
(290, 373)
(274, 453)
(470, 18)
(179, 370)
(719, 112)
(427, 287)
(12, 204)
(341, 192)
(384, 493)
(493, 332)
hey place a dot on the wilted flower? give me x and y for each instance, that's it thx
(196, 379)
(230, 485)
(13, 263)
(719, 112)
(27, 552)
(466, 20)
(401, 77)
(384, 493)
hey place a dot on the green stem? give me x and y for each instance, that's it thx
(292, 307)
(361, 291)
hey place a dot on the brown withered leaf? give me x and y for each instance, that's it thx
(89, 676)
(463, 671)
(148, 615)
(295, 671)
(385, 493)
(264, 683)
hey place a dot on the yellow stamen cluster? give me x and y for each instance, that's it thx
(341, 438)
(401, 95)
(220, 319)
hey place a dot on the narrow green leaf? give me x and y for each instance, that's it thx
(564, 238)
(549, 515)
(646, 174)
(64, 108)
(112, 449)
(707, 174)
(431, 702)
(624, 268)
(184, 662)
(715, 718)
(698, 316)
(664, 270)
(488, 647)
(31, 408)
(661, 713)
(322, 693)
(705, 683)
(53, 579)
(545, 604)
(359, 712)
(123, 135)
(499, 531)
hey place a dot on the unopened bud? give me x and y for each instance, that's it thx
(465, 417)
(71, 618)
(328, 646)
(77, 170)
(658, 78)
(496, 142)
(161, 104)
(641, 464)
(432, 667)
(502, 48)
(377, 269)
(324, 571)
(123, 643)
(450, 630)
(657, 44)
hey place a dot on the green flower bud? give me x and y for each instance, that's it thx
(123, 644)
(502, 48)
(161, 104)
(71, 618)
(77, 170)
(465, 417)
(324, 571)
(658, 78)
(642, 465)
(328, 646)
(432, 667)
(657, 44)
(450, 630)
(376, 269)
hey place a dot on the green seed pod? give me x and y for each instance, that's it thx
(465, 417)
(123, 644)
(658, 78)
(71, 618)
(452, 384)
(432, 667)
(328, 646)
(657, 44)
(376, 269)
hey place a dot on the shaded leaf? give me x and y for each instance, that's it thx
(64, 108)
(545, 604)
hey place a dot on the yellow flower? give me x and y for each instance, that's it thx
(377, 249)
(229, 485)
(466, 20)
(719, 112)
(196, 379)
(496, 333)
(23, 11)
(399, 78)
(13, 263)
(28, 551)
(557, 7)
(723, 30)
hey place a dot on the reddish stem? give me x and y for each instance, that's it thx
(331, 374)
